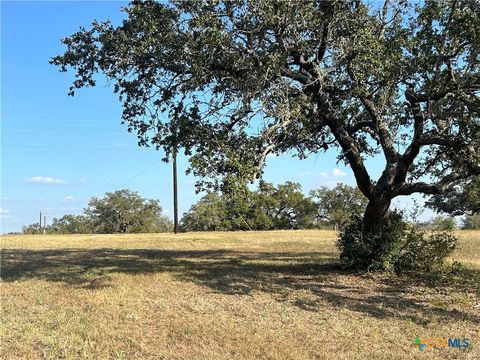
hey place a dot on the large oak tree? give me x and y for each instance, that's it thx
(231, 82)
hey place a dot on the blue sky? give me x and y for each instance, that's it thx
(58, 151)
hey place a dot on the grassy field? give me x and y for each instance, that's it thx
(261, 295)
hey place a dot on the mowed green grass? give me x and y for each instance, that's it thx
(258, 295)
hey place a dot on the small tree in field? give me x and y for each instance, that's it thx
(124, 211)
(234, 81)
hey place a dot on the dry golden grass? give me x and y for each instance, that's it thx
(260, 295)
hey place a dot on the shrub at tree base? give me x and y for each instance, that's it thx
(399, 247)
(424, 252)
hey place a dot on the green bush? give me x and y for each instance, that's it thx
(425, 253)
(399, 246)
(368, 251)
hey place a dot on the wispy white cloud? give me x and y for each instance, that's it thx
(83, 181)
(68, 198)
(48, 180)
(303, 174)
(338, 173)
(332, 178)
(5, 214)
(69, 208)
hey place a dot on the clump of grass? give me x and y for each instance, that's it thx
(100, 282)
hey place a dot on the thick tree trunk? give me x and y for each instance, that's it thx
(376, 215)
(374, 220)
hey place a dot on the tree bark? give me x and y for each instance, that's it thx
(375, 215)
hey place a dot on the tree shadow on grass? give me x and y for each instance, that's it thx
(310, 280)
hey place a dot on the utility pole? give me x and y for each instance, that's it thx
(40, 224)
(175, 197)
(44, 224)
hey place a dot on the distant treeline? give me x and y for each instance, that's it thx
(286, 207)
(269, 207)
(122, 211)
(275, 207)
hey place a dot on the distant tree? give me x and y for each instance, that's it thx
(269, 207)
(31, 229)
(287, 205)
(442, 223)
(163, 224)
(335, 207)
(208, 214)
(71, 224)
(123, 211)
(471, 222)
(242, 211)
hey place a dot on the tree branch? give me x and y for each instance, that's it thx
(414, 148)
(352, 154)
(386, 140)
(388, 146)
(352, 129)
(438, 95)
(429, 189)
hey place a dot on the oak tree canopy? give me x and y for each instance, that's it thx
(231, 82)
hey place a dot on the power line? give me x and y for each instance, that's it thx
(22, 131)
(60, 121)
(136, 148)
(142, 171)
(108, 178)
